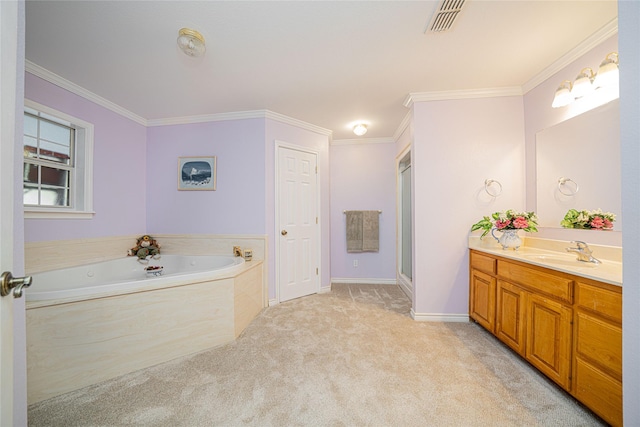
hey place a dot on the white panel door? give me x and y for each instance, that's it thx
(298, 224)
(8, 28)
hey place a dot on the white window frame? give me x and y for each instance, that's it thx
(82, 182)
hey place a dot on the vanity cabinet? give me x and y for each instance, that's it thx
(568, 327)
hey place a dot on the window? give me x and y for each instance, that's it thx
(58, 163)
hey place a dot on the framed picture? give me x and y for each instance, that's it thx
(197, 173)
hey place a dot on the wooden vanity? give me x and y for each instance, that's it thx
(567, 326)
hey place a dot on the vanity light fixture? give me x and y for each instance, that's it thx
(586, 82)
(191, 42)
(360, 129)
(583, 84)
(608, 73)
(563, 95)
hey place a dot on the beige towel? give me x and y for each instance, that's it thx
(362, 231)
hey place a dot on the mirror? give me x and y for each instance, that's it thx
(578, 166)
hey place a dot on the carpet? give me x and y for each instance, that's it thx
(351, 357)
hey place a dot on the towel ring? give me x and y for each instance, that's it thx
(562, 183)
(496, 192)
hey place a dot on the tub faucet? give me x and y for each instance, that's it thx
(237, 251)
(583, 251)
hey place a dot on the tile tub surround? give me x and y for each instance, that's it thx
(74, 344)
(56, 254)
(610, 271)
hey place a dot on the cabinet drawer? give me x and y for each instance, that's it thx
(599, 392)
(600, 342)
(605, 302)
(546, 283)
(483, 262)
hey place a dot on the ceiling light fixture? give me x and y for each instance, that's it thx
(608, 73)
(587, 82)
(360, 129)
(191, 42)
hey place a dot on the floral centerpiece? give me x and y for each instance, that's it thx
(508, 220)
(594, 220)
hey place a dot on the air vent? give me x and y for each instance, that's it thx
(446, 14)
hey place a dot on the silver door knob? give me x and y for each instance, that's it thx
(9, 282)
(283, 232)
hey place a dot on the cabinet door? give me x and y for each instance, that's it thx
(482, 300)
(510, 315)
(548, 345)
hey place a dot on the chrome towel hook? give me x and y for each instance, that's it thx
(567, 190)
(491, 189)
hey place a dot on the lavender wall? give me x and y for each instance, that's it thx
(363, 177)
(119, 175)
(282, 132)
(630, 148)
(457, 145)
(237, 205)
(540, 115)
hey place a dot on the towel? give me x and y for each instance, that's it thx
(362, 231)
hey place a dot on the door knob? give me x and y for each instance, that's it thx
(283, 232)
(9, 282)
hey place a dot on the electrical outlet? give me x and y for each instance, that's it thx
(355, 263)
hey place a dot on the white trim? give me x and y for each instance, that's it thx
(273, 302)
(439, 317)
(363, 281)
(461, 94)
(278, 144)
(363, 141)
(205, 118)
(610, 29)
(298, 123)
(63, 83)
(35, 213)
(404, 124)
(325, 289)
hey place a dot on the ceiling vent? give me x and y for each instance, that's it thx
(446, 14)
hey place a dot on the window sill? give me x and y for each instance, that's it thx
(57, 214)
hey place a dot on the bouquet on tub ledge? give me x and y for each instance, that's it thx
(509, 222)
(589, 220)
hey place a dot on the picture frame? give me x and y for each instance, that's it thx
(197, 173)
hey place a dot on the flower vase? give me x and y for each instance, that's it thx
(509, 239)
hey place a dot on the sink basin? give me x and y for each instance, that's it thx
(560, 260)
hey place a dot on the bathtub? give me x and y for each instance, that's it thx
(95, 322)
(127, 275)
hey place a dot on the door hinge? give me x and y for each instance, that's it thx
(316, 220)
(316, 170)
(316, 271)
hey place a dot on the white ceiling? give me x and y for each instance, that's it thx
(328, 63)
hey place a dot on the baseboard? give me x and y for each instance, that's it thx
(364, 281)
(325, 289)
(273, 302)
(439, 317)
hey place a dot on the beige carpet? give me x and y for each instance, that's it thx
(352, 357)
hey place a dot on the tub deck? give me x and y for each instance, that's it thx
(73, 344)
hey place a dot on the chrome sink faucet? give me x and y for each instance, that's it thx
(583, 251)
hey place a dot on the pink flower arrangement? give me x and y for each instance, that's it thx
(508, 220)
(593, 220)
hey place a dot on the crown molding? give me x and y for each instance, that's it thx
(461, 94)
(298, 123)
(63, 83)
(610, 29)
(362, 141)
(205, 118)
(403, 126)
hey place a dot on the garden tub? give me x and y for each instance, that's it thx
(90, 323)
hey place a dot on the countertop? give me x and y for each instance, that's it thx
(609, 271)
